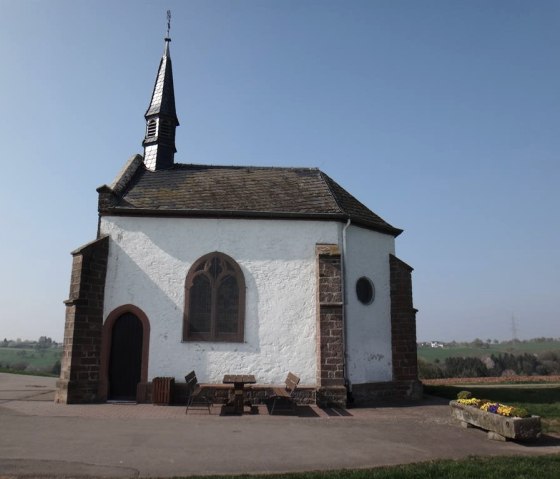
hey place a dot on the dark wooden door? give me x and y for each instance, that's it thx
(125, 363)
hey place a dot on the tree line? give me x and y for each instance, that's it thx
(502, 364)
(44, 342)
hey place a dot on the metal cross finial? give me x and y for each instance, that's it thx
(168, 22)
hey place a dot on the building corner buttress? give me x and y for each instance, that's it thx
(81, 357)
(403, 327)
(331, 389)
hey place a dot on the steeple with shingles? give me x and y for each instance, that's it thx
(161, 118)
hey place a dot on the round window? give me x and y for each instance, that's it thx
(365, 290)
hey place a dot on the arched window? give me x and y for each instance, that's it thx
(214, 300)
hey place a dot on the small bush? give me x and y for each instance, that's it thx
(19, 366)
(56, 369)
(464, 395)
(427, 370)
(520, 412)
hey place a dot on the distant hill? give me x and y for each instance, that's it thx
(482, 349)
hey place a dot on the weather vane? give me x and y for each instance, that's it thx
(168, 22)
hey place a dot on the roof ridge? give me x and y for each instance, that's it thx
(327, 179)
(233, 167)
(123, 178)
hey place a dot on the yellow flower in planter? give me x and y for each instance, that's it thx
(498, 408)
(494, 407)
(505, 410)
(469, 402)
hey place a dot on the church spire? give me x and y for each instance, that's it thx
(161, 117)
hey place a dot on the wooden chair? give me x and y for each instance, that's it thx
(285, 394)
(196, 396)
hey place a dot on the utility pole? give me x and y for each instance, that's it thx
(513, 328)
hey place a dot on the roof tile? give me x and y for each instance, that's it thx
(244, 191)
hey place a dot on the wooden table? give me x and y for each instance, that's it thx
(239, 381)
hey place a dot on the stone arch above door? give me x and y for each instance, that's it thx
(106, 346)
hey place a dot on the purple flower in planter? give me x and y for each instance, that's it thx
(493, 408)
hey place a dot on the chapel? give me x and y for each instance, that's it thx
(235, 269)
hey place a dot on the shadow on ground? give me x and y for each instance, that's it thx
(546, 440)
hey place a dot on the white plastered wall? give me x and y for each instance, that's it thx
(368, 328)
(148, 262)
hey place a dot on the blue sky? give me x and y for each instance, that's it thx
(442, 116)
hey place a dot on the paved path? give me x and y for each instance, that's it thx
(42, 438)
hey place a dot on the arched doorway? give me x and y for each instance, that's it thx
(125, 360)
(109, 352)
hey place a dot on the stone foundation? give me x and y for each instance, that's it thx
(256, 393)
(391, 391)
(332, 396)
(363, 394)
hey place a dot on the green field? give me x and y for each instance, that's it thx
(35, 360)
(431, 354)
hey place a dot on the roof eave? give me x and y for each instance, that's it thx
(182, 213)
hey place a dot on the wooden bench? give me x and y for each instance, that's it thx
(196, 396)
(286, 393)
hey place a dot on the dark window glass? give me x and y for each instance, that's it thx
(365, 290)
(227, 305)
(200, 306)
(215, 267)
(214, 300)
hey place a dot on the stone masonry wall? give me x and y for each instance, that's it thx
(403, 324)
(80, 365)
(330, 337)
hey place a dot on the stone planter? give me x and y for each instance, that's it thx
(499, 428)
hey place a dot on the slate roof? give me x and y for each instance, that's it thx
(238, 191)
(163, 96)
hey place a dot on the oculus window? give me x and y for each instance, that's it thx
(214, 300)
(365, 290)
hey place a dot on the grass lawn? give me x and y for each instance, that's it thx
(543, 467)
(540, 401)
